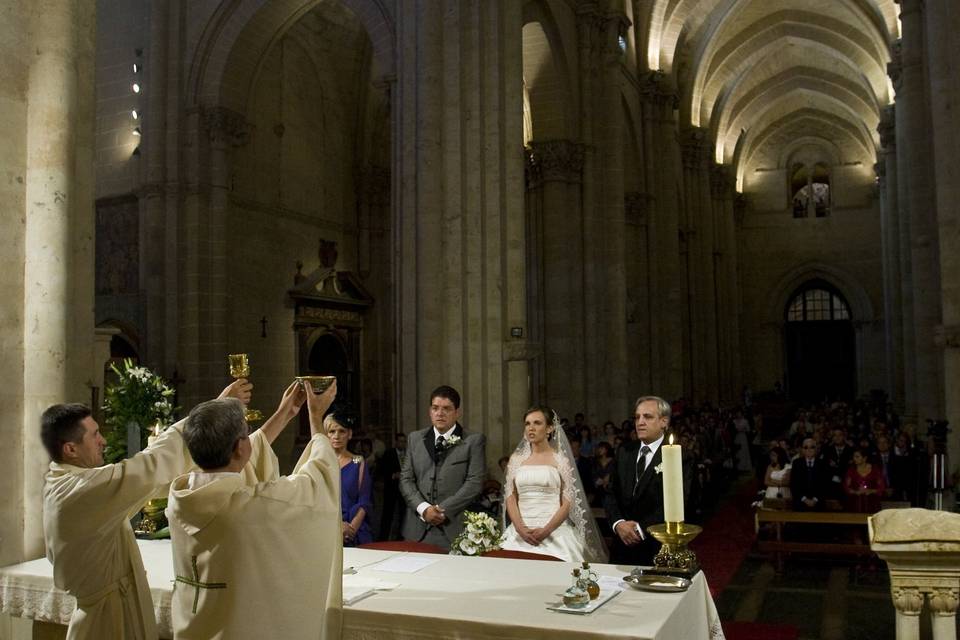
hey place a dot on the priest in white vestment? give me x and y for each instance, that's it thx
(256, 555)
(87, 507)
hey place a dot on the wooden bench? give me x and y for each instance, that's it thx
(779, 546)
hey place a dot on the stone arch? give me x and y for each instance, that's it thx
(546, 71)
(239, 34)
(780, 294)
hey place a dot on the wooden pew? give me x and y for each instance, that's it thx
(779, 546)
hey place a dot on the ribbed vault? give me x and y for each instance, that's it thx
(765, 72)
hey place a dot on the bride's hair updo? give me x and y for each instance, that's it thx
(549, 415)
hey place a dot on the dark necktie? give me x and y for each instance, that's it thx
(641, 465)
(440, 441)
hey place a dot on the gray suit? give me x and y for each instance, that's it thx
(452, 479)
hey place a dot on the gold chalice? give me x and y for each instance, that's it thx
(240, 368)
(319, 384)
(674, 558)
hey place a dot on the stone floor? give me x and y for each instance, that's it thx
(825, 599)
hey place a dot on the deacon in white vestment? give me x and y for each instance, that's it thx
(87, 507)
(256, 555)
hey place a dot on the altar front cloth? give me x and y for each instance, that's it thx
(456, 597)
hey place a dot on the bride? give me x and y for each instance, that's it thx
(544, 495)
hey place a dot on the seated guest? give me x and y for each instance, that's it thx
(777, 478)
(603, 462)
(87, 506)
(863, 484)
(256, 555)
(808, 479)
(356, 488)
(836, 455)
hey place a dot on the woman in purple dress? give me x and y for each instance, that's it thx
(356, 487)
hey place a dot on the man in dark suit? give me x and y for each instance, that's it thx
(836, 455)
(389, 470)
(809, 479)
(635, 499)
(442, 472)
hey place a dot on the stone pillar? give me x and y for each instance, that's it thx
(641, 306)
(917, 172)
(604, 284)
(890, 238)
(49, 226)
(205, 237)
(554, 177)
(158, 195)
(922, 552)
(727, 286)
(943, 56)
(459, 214)
(701, 242)
(660, 141)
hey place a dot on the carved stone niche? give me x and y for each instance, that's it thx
(329, 311)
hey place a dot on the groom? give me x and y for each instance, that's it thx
(442, 472)
(635, 500)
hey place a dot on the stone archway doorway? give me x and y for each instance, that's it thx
(820, 344)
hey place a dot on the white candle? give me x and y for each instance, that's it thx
(672, 482)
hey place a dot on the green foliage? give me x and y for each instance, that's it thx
(138, 396)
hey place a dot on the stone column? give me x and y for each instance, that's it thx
(554, 178)
(205, 295)
(943, 56)
(727, 287)
(660, 141)
(604, 284)
(701, 241)
(459, 214)
(916, 172)
(641, 306)
(47, 88)
(922, 552)
(889, 233)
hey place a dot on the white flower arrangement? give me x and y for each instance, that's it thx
(658, 469)
(450, 441)
(481, 533)
(134, 395)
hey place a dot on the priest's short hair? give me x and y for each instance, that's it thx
(60, 424)
(213, 429)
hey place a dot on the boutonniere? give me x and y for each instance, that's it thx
(658, 469)
(449, 442)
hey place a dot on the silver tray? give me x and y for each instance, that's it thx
(670, 584)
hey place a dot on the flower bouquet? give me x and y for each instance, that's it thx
(481, 533)
(136, 397)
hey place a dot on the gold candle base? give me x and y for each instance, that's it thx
(252, 416)
(152, 518)
(674, 558)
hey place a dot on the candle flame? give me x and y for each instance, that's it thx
(671, 438)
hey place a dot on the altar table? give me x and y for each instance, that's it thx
(457, 598)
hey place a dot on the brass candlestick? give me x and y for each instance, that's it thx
(240, 368)
(674, 558)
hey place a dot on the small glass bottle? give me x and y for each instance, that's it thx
(576, 596)
(589, 580)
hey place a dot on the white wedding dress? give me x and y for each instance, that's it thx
(538, 497)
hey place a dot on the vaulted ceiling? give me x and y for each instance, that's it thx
(762, 74)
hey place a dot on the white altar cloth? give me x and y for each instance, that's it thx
(457, 597)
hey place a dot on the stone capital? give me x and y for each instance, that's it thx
(694, 143)
(224, 126)
(943, 601)
(554, 161)
(908, 600)
(888, 127)
(895, 66)
(721, 181)
(655, 89)
(637, 207)
(947, 336)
